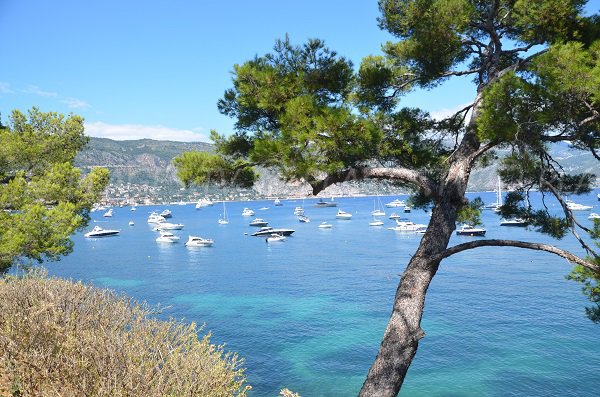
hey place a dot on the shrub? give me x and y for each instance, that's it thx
(62, 338)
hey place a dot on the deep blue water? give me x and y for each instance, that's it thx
(309, 313)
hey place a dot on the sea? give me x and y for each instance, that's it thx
(308, 313)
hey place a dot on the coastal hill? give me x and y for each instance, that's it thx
(149, 162)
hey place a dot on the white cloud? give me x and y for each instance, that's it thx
(5, 88)
(35, 90)
(123, 132)
(75, 103)
(447, 112)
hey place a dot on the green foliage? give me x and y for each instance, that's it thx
(44, 197)
(203, 167)
(58, 338)
(431, 33)
(471, 212)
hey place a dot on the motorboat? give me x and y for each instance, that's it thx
(166, 214)
(576, 206)
(131, 223)
(133, 208)
(247, 212)
(322, 204)
(594, 215)
(263, 208)
(156, 218)
(203, 203)
(404, 225)
(468, 230)
(407, 208)
(298, 211)
(97, 231)
(517, 222)
(343, 215)
(268, 230)
(167, 237)
(395, 203)
(421, 230)
(277, 203)
(376, 222)
(108, 213)
(170, 226)
(260, 222)
(196, 241)
(325, 225)
(394, 215)
(303, 218)
(275, 237)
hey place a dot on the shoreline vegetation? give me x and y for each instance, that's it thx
(59, 337)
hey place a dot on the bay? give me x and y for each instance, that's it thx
(308, 313)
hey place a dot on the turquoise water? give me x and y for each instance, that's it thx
(309, 313)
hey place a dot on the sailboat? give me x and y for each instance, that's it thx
(496, 206)
(224, 220)
(377, 208)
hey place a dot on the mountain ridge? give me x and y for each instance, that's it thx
(149, 162)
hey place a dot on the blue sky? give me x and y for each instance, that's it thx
(156, 69)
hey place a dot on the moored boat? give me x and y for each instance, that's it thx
(196, 241)
(97, 231)
(468, 230)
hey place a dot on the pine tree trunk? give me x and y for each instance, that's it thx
(403, 332)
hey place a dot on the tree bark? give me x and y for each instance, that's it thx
(403, 332)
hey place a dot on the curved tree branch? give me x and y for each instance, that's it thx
(427, 185)
(517, 244)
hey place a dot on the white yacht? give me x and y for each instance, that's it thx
(325, 225)
(303, 218)
(167, 237)
(277, 203)
(404, 225)
(170, 226)
(376, 222)
(396, 204)
(97, 231)
(166, 214)
(468, 230)
(108, 213)
(156, 218)
(518, 222)
(247, 212)
(594, 215)
(298, 211)
(343, 215)
(196, 241)
(260, 222)
(275, 237)
(576, 206)
(203, 203)
(394, 215)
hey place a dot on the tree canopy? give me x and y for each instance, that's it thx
(535, 69)
(43, 197)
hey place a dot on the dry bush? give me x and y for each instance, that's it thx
(60, 338)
